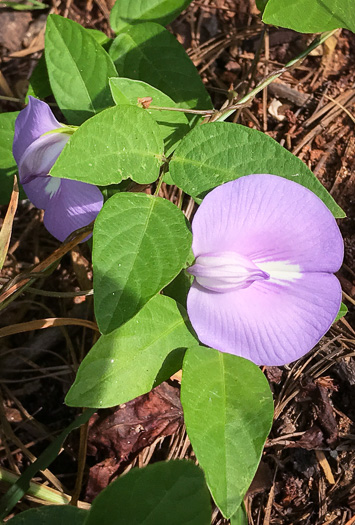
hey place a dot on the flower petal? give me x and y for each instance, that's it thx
(73, 206)
(40, 190)
(269, 219)
(37, 118)
(40, 156)
(269, 323)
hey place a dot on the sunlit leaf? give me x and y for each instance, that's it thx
(173, 125)
(78, 69)
(222, 151)
(141, 243)
(228, 410)
(134, 358)
(149, 53)
(126, 12)
(311, 16)
(121, 142)
(171, 493)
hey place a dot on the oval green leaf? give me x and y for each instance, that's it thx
(173, 125)
(222, 151)
(228, 409)
(125, 12)
(140, 244)
(171, 493)
(120, 142)
(53, 514)
(148, 52)
(322, 15)
(135, 358)
(78, 69)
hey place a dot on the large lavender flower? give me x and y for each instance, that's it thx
(39, 139)
(266, 249)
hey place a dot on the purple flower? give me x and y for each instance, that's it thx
(39, 139)
(266, 249)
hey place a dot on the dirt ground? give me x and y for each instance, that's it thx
(307, 471)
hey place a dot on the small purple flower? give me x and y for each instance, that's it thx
(39, 139)
(266, 249)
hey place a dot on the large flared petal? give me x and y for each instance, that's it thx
(36, 119)
(269, 323)
(40, 156)
(269, 219)
(73, 206)
(41, 190)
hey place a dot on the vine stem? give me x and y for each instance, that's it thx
(227, 112)
(185, 110)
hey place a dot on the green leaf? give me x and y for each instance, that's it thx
(99, 36)
(261, 4)
(18, 489)
(126, 12)
(32, 6)
(240, 517)
(222, 151)
(119, 143)
(141, 243)
(171, 493)
(228, 411)
(53, 514)
(78, 69)
(39, 82)
(134, 358)
(173, 125)
(149, 53)
(8, 165)
(342, 312)
(311, 16)
(179, 287)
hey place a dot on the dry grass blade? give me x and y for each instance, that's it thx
(74, 239)
(40, 324)
(6, 230)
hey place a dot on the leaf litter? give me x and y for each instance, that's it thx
(307, 471)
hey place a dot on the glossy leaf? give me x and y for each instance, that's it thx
(311, 16)
(126, 12)
(222, 151)
(53, 514)
(141, 243)
(119, 143)
(171, 492)
(173, 125)
(78, 69)
(99, 36)
(149, 53)
(135, 358)
(228, 411)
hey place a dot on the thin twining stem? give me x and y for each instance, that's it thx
(320, 39)
(185, 110)
(225, 112)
